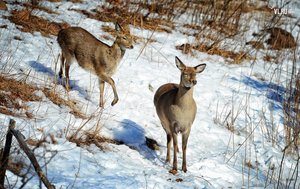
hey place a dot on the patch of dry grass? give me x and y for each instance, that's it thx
(27, 22)
(237, 57)
(73, 1)
(136, 38)
(58, 100)
(91, 138)
(3, 5)
(292, 114)
(14, 94)
(18, 89)
(16, 167)
(280, 39)
(256, 44)
(123, 15)
(33, 5)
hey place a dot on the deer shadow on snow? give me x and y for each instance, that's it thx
(39, 67)
(133, 135)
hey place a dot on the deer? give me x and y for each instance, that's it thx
(93, 55)
(176, 109)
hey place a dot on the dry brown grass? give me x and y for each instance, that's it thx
(58, 100)
(166, 8)
(16, 167)
(36, 142)
(237, 57)
(14, 95)
(269, 58)
(280, 39)
(292, 115)
(41, 142)
(3, 5)
(218, 21)
(256, 44)
(18, 89)
(136, 38)
(73, 1)
(34, 5)
(54, 1)
(27, 22)
(122, 15)
(91, 138)
(232, 6)
(223, 16)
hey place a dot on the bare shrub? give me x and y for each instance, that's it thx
(291, 108)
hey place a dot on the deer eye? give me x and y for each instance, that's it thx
(125, 38)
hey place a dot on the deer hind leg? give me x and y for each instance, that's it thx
(62, 65)
(66, 61)
(67, 68)
(169, 141)
(111, 82)
(101, 88)
(175, 146)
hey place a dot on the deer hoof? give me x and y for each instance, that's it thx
(67, 86)
(114, 102)
(173, 171)
(101, 105)
(168, 160)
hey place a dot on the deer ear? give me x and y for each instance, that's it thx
(118, 28)
(180, 65)
(200, 68)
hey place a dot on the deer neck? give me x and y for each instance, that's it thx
(118, 49)
(184, 96)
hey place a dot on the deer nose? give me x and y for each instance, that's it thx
(131, 47)
(194, 82)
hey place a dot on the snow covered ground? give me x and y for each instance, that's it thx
(216, 157)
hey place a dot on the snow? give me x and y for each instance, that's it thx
(216, 157)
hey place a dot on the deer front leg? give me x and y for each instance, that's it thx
(101, 88)
(111, 82)
(185, 137)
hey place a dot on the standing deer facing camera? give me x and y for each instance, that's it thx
(93, 55)
(176, 109)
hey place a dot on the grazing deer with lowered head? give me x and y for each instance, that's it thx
(93, 55)
(176, 109)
